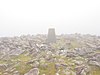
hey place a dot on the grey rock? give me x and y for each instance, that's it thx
(34, 71)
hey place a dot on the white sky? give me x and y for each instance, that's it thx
(19, 17)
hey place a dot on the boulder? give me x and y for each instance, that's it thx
(34, 71)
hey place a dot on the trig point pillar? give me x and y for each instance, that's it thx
(51, 35)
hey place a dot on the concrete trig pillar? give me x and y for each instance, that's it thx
(51, 36)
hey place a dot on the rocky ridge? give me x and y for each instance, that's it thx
(72, 54)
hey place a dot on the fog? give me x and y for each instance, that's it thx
(22, 17)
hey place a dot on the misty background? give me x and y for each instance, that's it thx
(22, 17)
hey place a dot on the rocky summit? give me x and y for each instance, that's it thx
(71, 54)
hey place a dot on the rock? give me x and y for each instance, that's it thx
(94, 63)
(34, 71)
(3, 66)
(16, 73)
(68, 73)
(35, 64)
(57, 73)
(57, 66)
(79, 70)
(5, 73)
